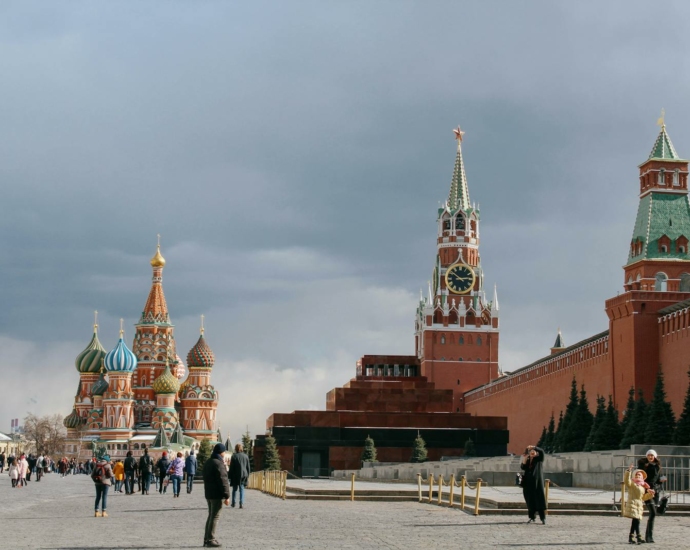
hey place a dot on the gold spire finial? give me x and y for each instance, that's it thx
(122, 328)
(458, 134)
(202, 324)
(95, 321)
(661, 122)
(158, 260)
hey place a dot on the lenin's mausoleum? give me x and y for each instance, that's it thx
(452, 388)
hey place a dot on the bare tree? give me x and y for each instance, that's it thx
(46, 434)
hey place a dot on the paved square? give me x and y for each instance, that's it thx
(57, 513)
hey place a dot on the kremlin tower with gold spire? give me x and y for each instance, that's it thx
(125, 397)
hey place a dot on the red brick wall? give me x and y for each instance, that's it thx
(674, 356)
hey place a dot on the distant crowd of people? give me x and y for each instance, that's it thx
(21, 468)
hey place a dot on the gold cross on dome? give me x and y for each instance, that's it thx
(202, 323)
(661, 122)
(458, 133)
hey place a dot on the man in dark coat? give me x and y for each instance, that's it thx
(651, 465)
(145, 468)
(533, 483)
(190, 468)
(162, 465)
(130, 466)
(216, 491)
(239, 473)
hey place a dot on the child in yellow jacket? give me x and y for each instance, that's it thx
(638, 492)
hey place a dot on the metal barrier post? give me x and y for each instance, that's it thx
(284, 483)
(352, 488)
(419, 486)
(452, 487)
(440, 489)
(546, 495)
(431, 487)
(622, 497)
(476, 498)
(462, 492)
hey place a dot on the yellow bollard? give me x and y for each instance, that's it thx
(476, 498)
(352, 488)
(546, 495)
(452, 487)
(285, 474)
(462, 492)
(431, 487)
(440, 489)
(419, 486)
(622, 498)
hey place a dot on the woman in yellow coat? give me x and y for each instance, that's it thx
(119, 473)
(638, 492)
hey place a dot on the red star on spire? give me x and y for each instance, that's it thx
(458, 133)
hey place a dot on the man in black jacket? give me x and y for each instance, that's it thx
(216, 491)
(130, 466)
(239, 473)
(145, 467)
(162, 466)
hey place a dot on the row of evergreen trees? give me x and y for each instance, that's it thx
(643, 423)
(419, 452)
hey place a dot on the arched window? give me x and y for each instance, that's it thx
(461, 340)
(676, 177)
(460, 359)
(685, 282)
(661, 282)
(443, 338)
(664, 249)
(479, 340)
(446, 224)
(662, 177)
(460, 222)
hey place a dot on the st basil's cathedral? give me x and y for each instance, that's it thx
(132, 399)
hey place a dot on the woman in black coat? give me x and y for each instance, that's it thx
(652, 467)
(533, 483)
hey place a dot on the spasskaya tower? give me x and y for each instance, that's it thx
(456, 327)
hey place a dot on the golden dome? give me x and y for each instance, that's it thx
(166, 382)
(158, 260)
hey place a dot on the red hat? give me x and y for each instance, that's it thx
(165, 453)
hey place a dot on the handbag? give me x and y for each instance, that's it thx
(518, 479)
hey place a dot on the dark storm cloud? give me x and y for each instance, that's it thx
(289, 152)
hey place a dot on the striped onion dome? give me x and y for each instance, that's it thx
(89, 360)
(166, 382)
(200, 355)
(181, 369)
(72, 420)
(120, 358)
(100, 386)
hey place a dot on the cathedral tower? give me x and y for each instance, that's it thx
(456, 326)
(118, 399)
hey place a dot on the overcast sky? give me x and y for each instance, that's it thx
(292, 155)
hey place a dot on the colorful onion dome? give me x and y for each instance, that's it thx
(120, 358)
(158, 260)
(89, 360)
(73, 420)
(166, 382)
(100, 386)
(201, 354)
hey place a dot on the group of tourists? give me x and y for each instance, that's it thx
(642, 486)
(21, 468)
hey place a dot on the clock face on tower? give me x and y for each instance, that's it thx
(460, 279)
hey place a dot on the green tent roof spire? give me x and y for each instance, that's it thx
(663, 148)
(459, 196)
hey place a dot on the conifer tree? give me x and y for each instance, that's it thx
(610, 430)
(682, 435)
(550, 435)
(598, 419)
(557, 436)
(661, 422)
(419, 452)
(369, 452)
(562, 442)
(634, 431)
(575, 435)
(470, 449)
(271, 455)
(205, 451)
(248, 445)
(629, 410)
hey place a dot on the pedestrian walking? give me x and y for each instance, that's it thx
(216, 491)
(145, 467)
(130, 465)
(102, 477)
(13, 472)
(162, 468)
(190, 468)
(2, 461)
(638, 492)
(31, 460)
(533, 483)
(239, 473)
(175, 472)
(119, 473)
(651, 466)
(39, 467)
(23, 466)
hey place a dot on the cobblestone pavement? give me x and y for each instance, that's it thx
(58, 513)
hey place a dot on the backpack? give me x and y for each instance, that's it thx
(98, 474)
